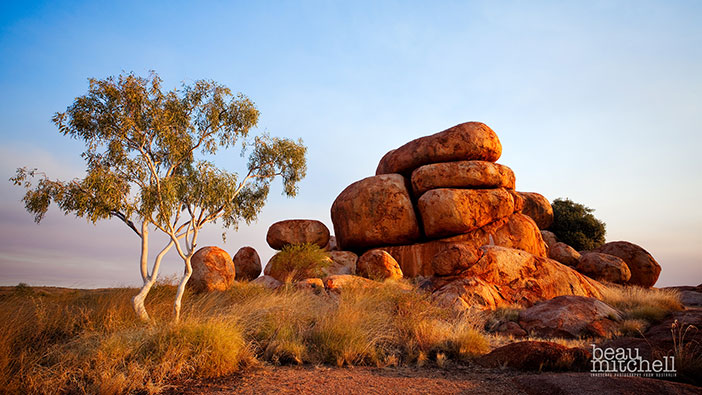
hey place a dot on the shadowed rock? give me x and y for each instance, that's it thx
(604, 267)
(644, 269)
(247, 264)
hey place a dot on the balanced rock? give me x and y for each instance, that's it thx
(604, 267)
(247, 264)
(448, 212)
(454, 259)
(213, 270)
(378, 265)
(644, 269)
(564, 254)
(472, 174)
(343, 262)
(466, 141)
(373, 212)
(538, 208)
(537, 355)
(569, 316)
(297, 231)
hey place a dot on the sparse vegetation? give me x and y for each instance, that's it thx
(574, 224)
(641, 304)
(299, 261)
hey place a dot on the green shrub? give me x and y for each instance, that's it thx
(574, 224)
(298, 262)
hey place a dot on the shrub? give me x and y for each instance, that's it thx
(299, 261)
(574, 224)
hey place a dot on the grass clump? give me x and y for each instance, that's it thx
(644, 304)
(297, 262)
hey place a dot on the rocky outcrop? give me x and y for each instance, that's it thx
(467, 141)
(213, 270)
(604, 267)
(537, 356)
(569, 316)
(343, 262)
(538, 208)
(375, 211)
(447, 212)
(297, 231)
(644, 269)
(247, 264)
(472, 174)
(378, 265)
(564, 254)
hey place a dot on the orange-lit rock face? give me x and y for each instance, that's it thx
(604, 267)
(569, 317)
(564, 254)
(247, 264)
(213, 270)
(448, 212)
(467, 141)
(454, 258)
(644, 269)
(378, 265)
(373, 212)
(297, 231)
(340, 282)
(538, 208)
(472, 174)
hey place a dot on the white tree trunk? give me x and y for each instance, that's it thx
(138, 299)
(181, 287)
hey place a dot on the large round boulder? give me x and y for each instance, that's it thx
(644, 269)
(569, 316)
(538, 208)
(473, 174)
(466, 141)
(378, 265)
(297, 231)
(375, 211)
(213, 270)
(247, 264)
(448, 212)
(564, 254)
(604, 267)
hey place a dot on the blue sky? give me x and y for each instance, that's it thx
(596, 101)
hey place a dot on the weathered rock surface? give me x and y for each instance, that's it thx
(644, 269)
(297, 231)
(448, 212)
(505, 276)
(344, 262)
(373, 212)
(564, 254)
(473, 174)
(378, 265)
(466, 141)
(537, 355)
(538, 208)
(311, 284)
(340, 282)
(332, 246)
(453, 259)
(549, 237)
(213, 270)
(569, 316)
(267, 282)
(247, 264)
(604, 267)
(510, 328)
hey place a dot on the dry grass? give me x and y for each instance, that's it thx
(91, 342)
(643, 304)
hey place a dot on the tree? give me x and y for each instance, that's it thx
(147, 165)
(575, 225)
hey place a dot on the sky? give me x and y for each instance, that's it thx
(597, 101)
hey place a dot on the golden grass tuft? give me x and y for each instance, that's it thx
(647, 304)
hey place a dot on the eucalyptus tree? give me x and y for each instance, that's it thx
(149, 164)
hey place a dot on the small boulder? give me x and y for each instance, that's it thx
(310, 284)
(604, 267)
(538, 207)
(247, 264)
(297, 231)
(332, 246)
(378, 265)
(644, 269)
(344, 262)
(511, 329)
(569, 316)
(213, 270)
(267, 282)
(537, 356)
(454, 259)
(564, 254)
(473, 174)
(549, 237)
(340, 282)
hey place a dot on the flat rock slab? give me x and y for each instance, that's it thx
(569, 316)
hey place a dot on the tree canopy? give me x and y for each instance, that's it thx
(575, 225)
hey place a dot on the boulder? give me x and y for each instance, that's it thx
(344, 262)
(213, 270)
(340, 282)
(510, 329)
(448, 212)
(247, 264)
(549, 237)
(569, 316)
(538, 208)
(453, 259)
(644, 269)
(564, 254)
(505, 276)
(332, 246)
(604, 267)
(537, 356)
(373, 212)
(297, 231)
(311, 284)
(267, 282)
(466, 141)
(518, 200)
(471, 174)
(378, 265)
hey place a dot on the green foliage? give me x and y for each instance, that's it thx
(299, 261)
(574, 224)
